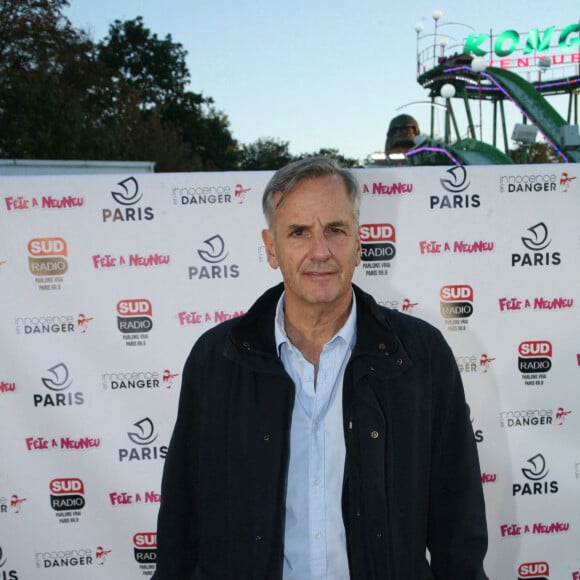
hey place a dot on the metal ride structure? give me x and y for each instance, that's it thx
(478, 77)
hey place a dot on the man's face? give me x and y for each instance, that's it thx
(315, 243)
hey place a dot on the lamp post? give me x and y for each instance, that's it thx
(437, 15)
(544, 63)
(478, 65)
(443, 43)
(447, 92)
(418, 29)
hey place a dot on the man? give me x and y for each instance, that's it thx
(320, 436)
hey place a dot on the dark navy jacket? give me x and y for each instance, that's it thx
(412, 480)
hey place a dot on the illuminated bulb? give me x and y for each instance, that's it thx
(447, 91)
(478, 64)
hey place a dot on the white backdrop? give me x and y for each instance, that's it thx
(106, 282)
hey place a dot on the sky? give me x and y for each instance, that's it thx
(315, 73)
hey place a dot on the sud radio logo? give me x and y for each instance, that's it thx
(377, 248)
(47, 261)
(67, 498)
(145, 551)
(456, 305)
(143, 437)
(536, 483)
(135, 320)
(534, 360)
(534, 570)
(58, 382)
(5, 572)
(456, 183)
(536, 243)
(127, 197)
(214, 264)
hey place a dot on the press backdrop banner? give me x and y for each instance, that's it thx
(107, 281)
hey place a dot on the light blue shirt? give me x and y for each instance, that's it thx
(314, 540)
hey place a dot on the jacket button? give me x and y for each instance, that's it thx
(258, 538)
(372, 369)
(374, 434)
(382, 346)
(379, 534)
(399, 362)
(246, 344)
(267, 437)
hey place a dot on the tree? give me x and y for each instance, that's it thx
(40, 116)
(155, 68)
(270, 153)
(33, 34)
(264, 154)
(63, 96)
(536, 153)
(332, 154)
(154, 73)
(205, 130)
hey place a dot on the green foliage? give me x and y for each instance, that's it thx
(536, 153)
(265, 154)
(154, 68)
(271, 154)
(40, 116)
(333, 154)
(33, 35)
(63, 96)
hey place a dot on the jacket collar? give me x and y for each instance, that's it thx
(254, 331)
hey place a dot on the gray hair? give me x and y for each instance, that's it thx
(288, 177)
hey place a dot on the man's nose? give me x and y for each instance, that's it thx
(320, 246)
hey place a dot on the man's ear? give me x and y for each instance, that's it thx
(268, 239)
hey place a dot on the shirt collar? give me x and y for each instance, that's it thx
(347, 332)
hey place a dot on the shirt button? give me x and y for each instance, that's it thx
(315, 481)
(374, 434)
(317, 535)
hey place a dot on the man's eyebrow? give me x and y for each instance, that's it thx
(331, 224)
(298, 227)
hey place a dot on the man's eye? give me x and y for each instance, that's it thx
(298, 232)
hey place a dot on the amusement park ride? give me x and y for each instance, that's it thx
(493, 72)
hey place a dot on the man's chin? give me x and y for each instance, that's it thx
(322, 295)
